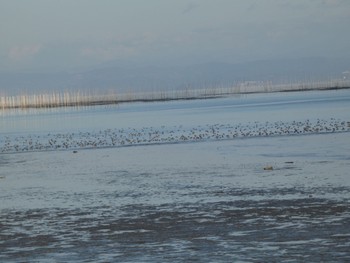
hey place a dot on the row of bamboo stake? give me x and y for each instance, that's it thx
(80, 98)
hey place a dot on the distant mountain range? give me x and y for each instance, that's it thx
(156, 77)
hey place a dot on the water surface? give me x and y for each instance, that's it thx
(205, 200)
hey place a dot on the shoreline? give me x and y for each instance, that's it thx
(78, 99)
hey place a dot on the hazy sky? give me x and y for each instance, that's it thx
(69, 34)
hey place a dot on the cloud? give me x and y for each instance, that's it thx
(190, 7)
(122, 46)
(19, 53)
(108, 53)
(333, 2)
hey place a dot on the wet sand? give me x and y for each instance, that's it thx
(209, 201)
(262, 178)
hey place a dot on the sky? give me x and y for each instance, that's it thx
(59, 35)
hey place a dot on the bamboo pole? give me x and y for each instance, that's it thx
(80, 98)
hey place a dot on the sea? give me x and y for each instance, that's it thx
(245, 178)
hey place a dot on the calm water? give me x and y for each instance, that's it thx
(206, 200)
(296, 106)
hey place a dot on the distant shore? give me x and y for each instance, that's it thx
(92, 98)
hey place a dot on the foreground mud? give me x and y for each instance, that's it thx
(202, 202)
(301, 230)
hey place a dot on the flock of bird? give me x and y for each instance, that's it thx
(163, 134)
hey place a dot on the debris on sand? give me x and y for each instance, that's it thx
(268, 168)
